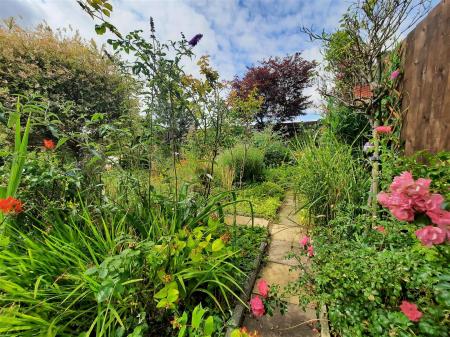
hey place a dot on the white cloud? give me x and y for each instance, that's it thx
(236, 33)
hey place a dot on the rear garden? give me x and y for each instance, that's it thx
(139, 200)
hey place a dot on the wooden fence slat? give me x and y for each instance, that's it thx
(426, 83)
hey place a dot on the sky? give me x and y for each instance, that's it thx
(236, 33)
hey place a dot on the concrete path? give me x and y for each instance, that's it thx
(285, 237)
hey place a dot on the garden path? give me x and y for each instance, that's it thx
(284, 237)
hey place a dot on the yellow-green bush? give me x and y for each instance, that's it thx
(75, 76)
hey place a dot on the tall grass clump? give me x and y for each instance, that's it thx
(246, 161)
(329, 177)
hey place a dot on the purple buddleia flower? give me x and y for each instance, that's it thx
(196, 39)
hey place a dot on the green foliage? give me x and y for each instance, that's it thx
(113, 274)
(275, 150)
(200, 325)
(75, 77)
(364, 274)
(381, 270)
(246, 161)
(328, 176)
(347, 125)
(265, 197)
(422, 164)
(282, 175)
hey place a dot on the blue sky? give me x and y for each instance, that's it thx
(237, 33)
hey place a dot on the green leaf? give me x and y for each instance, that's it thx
(209, 326)
(61, 142)
(100, 29)
(197, 315)
(217, 245)
(236, 333)
(172, 295)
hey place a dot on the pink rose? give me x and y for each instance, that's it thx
(384, 199)
(383, 129)
(395, 74)
(403, 214)
(410, 310)
(430, 235)
(310, 251)
(402, 182)
(257, 306)
(434, 203)
(263, 288)
(304, 241)
(440, 217)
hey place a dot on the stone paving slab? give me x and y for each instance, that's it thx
(278, 250)
(276, 273)
(286, 325)
(246, 221)
(281, 232)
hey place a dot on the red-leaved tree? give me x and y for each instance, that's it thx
(281, 82)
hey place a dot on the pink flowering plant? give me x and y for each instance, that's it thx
(412, 201)
(267, 300)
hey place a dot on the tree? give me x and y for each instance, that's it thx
(281, 82)
(355, 56)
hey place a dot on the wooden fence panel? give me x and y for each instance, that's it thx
(426, 83)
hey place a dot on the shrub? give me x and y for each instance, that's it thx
(347, 125)
(76, 78)
(275, 150)
(247, 162)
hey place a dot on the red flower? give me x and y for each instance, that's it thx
(49, 144)
(304, 241)
(380, 229)
(310, 251)
(410, 310)
(383, 129)
(263, 288)
(257, 306)
(10, 205)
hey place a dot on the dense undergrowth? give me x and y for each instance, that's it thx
(365, 268)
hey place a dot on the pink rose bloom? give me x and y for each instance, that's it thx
(304, 241)
(410, 310)
(263, 288)
(257, 306)
(383, 129)
(402, 183)
(434, 203)
(430, 235)
(422, 187)
(380, 229)
(395, 74)
(403, 214)
(384, 199)
(440, 217)
(310, 251)
(435, 212)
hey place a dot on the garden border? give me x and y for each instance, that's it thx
(323, 319)
(238, 312)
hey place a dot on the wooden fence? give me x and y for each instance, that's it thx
(426, 83)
